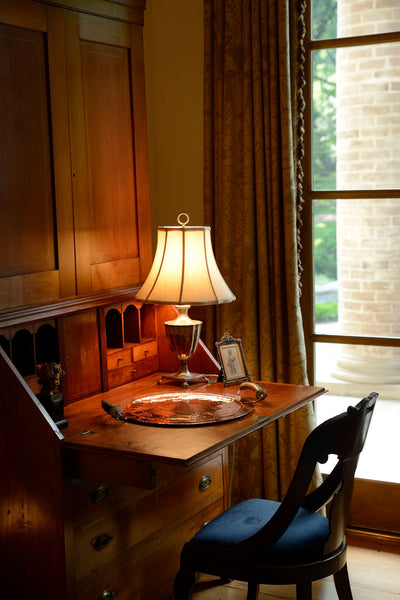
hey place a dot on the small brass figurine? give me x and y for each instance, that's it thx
(49, 377)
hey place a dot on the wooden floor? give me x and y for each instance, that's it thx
(374, 575)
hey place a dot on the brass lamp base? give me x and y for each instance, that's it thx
(183, 335)
(185, 379)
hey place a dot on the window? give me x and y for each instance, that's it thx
(351, 234)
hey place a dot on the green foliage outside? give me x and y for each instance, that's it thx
(324, 26)
(325, 265)
(326, 311)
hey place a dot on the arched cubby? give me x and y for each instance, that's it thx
(31, 344)
(131, 343)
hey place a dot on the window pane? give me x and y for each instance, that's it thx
(356, 117)
(325, 263)
(324, 19)
(368, 117)
(352, 369)
(347, 18)
(357, 267)
(324, 119)
(349, 375)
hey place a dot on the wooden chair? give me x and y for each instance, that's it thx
(262, 541)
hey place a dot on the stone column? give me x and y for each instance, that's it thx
(368, 157)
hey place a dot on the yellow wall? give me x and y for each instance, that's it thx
(174, 48)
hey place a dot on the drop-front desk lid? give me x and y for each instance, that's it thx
(91, 429)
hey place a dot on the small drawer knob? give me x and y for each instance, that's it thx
(100, 494)
(101, 541)
(205, 482)
(106, 595)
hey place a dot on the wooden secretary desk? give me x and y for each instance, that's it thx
(101, 508)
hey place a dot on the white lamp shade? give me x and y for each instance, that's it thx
(184, 269)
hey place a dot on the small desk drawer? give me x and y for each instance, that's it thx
(122, 375)
(93, 501)
(142, 351)
(119, 359)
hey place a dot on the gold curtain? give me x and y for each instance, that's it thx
(250, 202)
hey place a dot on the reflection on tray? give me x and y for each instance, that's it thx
(186, 408)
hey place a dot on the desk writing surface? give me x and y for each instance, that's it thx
(90, 428)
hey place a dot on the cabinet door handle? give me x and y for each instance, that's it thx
(101, 541)
(205, 482)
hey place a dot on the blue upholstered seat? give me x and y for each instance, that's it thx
(304, 539)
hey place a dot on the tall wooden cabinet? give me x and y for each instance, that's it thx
(73, 174)
(79, 522)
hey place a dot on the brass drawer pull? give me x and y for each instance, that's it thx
(100, 494)
(101, 541)
(205, 482)
(106, 595)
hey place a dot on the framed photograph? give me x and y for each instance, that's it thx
(233, 364)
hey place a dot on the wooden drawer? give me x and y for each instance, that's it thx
(142, 351)
(119, 359)
(132, 371)
(147, 570)
(93, 501)
(122, 375)
(97, 544)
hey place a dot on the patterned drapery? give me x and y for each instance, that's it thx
(251, 198)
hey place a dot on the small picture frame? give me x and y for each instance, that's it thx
(233, 364)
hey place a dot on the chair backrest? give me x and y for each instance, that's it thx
(344, 436)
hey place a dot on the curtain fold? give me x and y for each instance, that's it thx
(250, 202)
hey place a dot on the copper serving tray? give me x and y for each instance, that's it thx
(186, 408)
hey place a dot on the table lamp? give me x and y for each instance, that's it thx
(184, 273)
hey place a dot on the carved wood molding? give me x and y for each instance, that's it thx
(130, 11)
(28, 314)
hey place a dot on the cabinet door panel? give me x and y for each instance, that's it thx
(32, 259)
(107, 216)
(27, 243)
(109, 142)
(80, 356)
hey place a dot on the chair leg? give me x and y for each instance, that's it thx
(342, 584)
(252, 590)
(303, 591)
(184, 584)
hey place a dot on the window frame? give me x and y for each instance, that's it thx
(309, 195)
